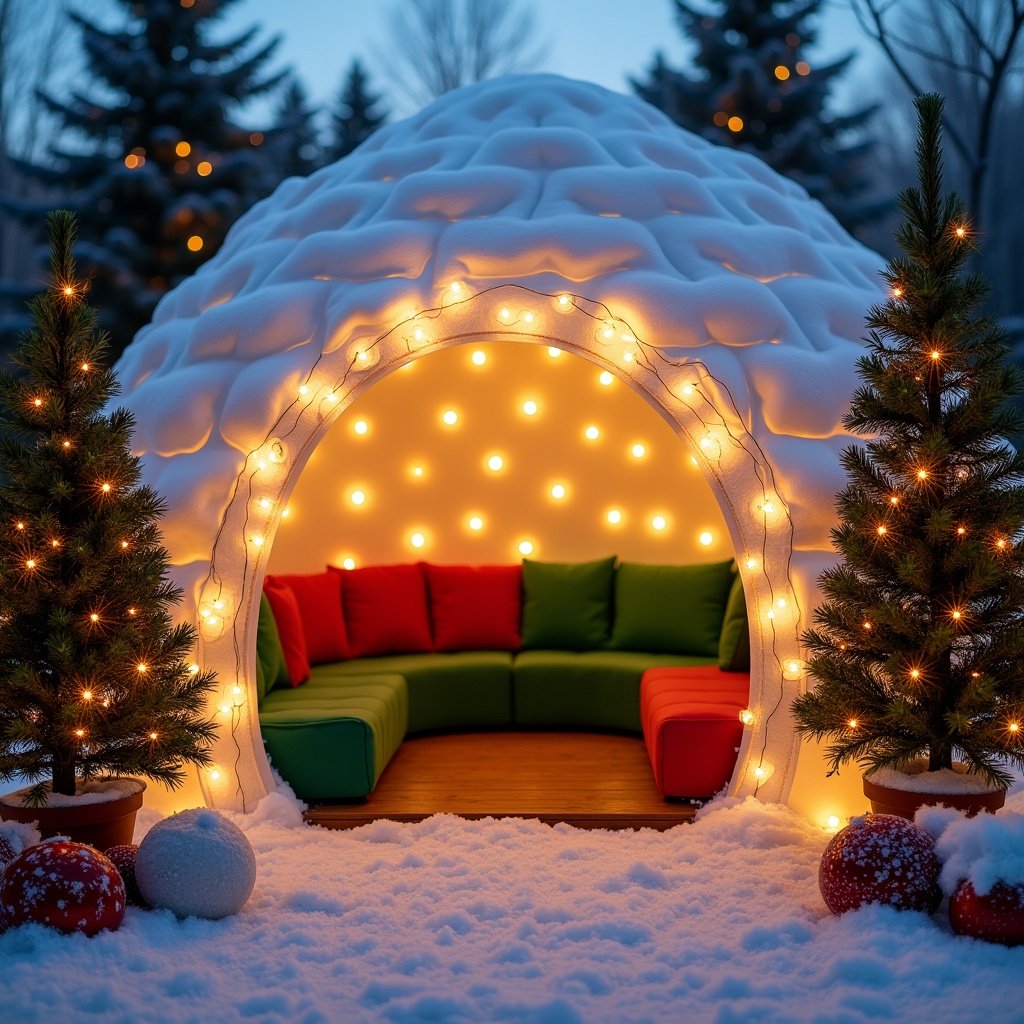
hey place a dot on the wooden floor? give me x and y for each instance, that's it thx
(590, 780)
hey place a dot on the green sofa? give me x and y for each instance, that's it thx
(333, 736)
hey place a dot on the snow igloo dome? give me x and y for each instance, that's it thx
(537, 209)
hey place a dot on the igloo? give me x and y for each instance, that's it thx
(537, 209)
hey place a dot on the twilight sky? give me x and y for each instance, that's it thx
(601, 41)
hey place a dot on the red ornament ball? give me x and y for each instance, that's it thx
(996, 917)
(68, 886)
(123, 858)
(879, 858)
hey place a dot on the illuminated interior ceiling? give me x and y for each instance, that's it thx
(527, 208)
(486, 453)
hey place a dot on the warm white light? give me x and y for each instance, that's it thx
(608, 332)
(558, 491)
(659, 523)
(357, 497)
(564, 302)
(780, 602)
(591, 433)
(529, 408)
(747, 717)
(214, 775)
(417, 471)
(417, 540)
(142, 668)
(707, 538)
(614, 516)
(276, 452)
(193, 669)
(833, 822)
(760, 772)
(638, 451)
(687, 391)
(792, 669)
(628, 355)
(304, 390)
(525, 547)
(710, 446)
(751, 563)
(554, 352)
(266, 504)
(605, 378)
(529, 317)
(505, 314)
(449, 417)
(478, 358)
(361, 427)
(258, 540)
(495, 463)
(476, 523)
(348, 563)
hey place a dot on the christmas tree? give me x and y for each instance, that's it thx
(754, 89)
(918, 647)
(356, 116)
(95, 677)
(149, 159)
(292, 142)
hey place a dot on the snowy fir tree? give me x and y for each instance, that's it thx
(754, 89)
(357, 114)
(918, 647)
(292, 141)
(149, 158)
(95, 677)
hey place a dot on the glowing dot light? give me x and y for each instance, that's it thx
(638, 451)
(142, 668)
(193, 669)
(495, 463)
(935, 353)
(564, 302)
(183, 148)
(915, 674)
(707, 538)
(735, 123)
(214, 775)
(204, 168)
(79, 733)
(105, 488)
(94, 617)
(853, 723)
(417, 471)
(614, 516)
(897, 292)
(1014, 727)
(922, 474)
(528, 317)
(195, 243)
(659, 522)
(357, 497)
(605, 378)
(833, 822)
(592, 433)
(558, 491)
(881, 531)
(450, 417)
(361, 427)
(87, 695)
(530, 408)
(525, 547)
(960, 232)
(478, 358)
(153, 735)
(348, 563)
(505, 314)
(37, 402)
(417, 540)
(554, 352)
(961, 531)
(476, 523)
(956, 614)
(760, 772)
(781, 72)
(751, 563)
(30, 563)
(747, 717)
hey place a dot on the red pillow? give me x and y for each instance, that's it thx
(386, 610)
(289, 625)
(475, 608)
(323, 625)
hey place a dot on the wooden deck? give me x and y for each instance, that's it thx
(590, 780)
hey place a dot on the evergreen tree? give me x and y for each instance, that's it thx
(93, 673)
(292, 141)
(755, 90)
(918, 647)
(150, 159)
(357, 114)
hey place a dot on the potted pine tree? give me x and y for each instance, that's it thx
(96, 689)
(918, 648)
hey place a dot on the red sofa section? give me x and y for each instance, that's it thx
(691, 727)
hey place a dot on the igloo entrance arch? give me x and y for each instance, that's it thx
(527, 208)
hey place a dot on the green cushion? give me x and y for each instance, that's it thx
(335, 741)
(567, 606)
(464, 690)
(271, 670)
(591, 690)
(671, 608)
(734, 643)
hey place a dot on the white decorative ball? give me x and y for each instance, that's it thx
(197, 864)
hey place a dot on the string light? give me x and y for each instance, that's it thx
(1014, 727)
(142, 668)
(66, 445)
(193, 669)
(132, 612)
(348, 563)
(706, 538)
(94, 617)
(638, 451)
(80, 733)
(592, 433)
(881, 531)
(86, 367)
(659, 523)
(915, 674)
(105, 488)
(897, 292)
(19, 526)
(124, 545)
(833, 822)
(956, 614)
(37, 402)
(558, 491)
(478, 358)
(1001, 543)
(747, 717)
(935, 353)
(867, 626)
(495, 463)
(525, 547)
(853, 723)
(87, 695)
(960, 232)
(153, 735)
(417, 540)
(361, 427)
(614, 516)
(605, 378)
(530, 408)
(258, 540)
(922, 474)
(894, 499)
(476, 523)
(564, 302)
(30, 563)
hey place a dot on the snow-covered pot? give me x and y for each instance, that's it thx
(902, 793)
(101, 814)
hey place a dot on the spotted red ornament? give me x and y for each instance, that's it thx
(123, 858)
(879, 858)
(998, 916)
(68, 886)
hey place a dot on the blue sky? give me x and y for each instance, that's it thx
(601, 41)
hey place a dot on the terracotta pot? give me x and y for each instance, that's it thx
(102, 825)
(904, 803)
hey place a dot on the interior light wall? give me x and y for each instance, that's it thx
(481, 453)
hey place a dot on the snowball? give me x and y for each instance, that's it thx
(196, 864)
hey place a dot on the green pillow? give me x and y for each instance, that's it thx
(672, 609)
(567, 606)
(271, 670)
(734, 645)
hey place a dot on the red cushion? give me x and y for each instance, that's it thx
(323, 625)
(385, 610)
(289, 625)
(691, 726)
(475, 608)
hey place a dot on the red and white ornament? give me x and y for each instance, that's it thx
(68, 886)
(123, 858)
(879, 858)
(998, 916)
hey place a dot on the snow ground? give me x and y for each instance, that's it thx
(513, 921)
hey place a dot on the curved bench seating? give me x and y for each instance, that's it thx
(332, 736)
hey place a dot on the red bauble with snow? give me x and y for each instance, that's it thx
(68, 886)
(879, 858)
(123, 858)
(996, 916)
